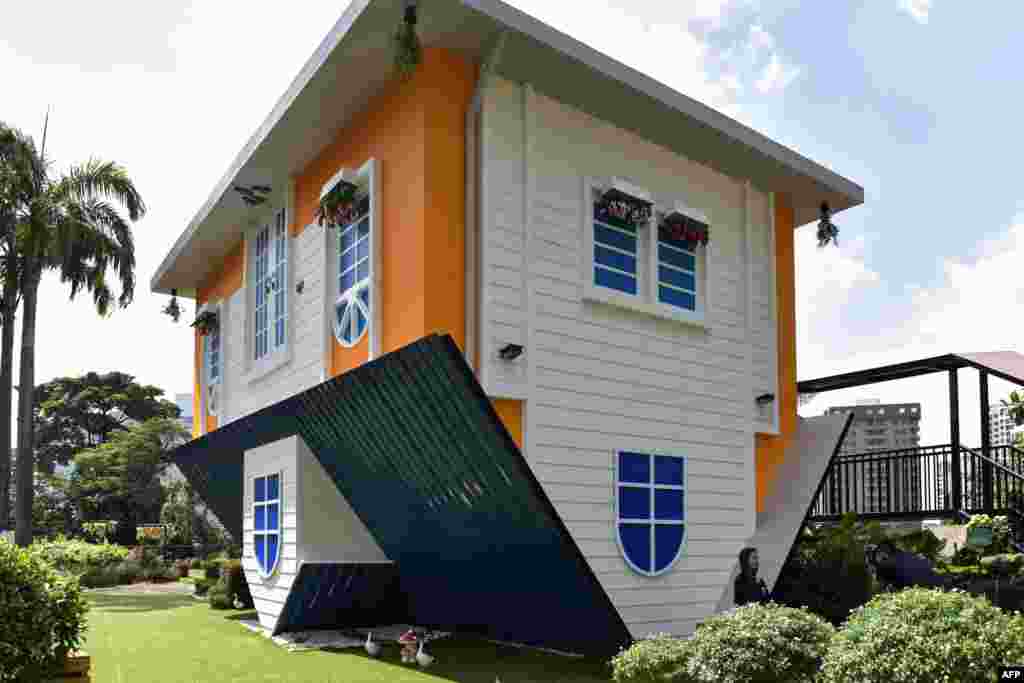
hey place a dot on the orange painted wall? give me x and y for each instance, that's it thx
(770, 449)
(511, 414)
(416, 131)
(219, 286)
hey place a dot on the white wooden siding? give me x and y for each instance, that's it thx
(597, 378)
(306, 327)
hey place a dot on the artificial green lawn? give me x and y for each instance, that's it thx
(162, 638)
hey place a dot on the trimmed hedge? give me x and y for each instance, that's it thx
(924, 635)
(73, 556)
(237, 585)
(42, 613)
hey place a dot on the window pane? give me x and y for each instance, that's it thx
(261, 489)
(273, 487)
(677, 298)
(348, 237)
(273, 521)
(636, 544)
(260, 523)
(668, 504)
(634, 503)
(346, 281)
(677, 278)
(676, 258)
(614, 259)
(260, 548)
(678, 244)
(363, 249)
(341, 311)
(280, 332)
(363, 270)
(614, 238)
(271, 551)
(364, 227)
(635, 468)
(348, 259)
(360, 321)
(612, 280)
(668, 538)
(668, 470)
(364, 295)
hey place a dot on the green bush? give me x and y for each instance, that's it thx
(181, 568)
(757, 642)
(128, 571)
(202, 586)
(212, 571)
(1000, 532)
(198, 564)
(924, 635)
(651, 660)
(218, 596)
(922, 542)
(829, 573)
(42, 613)
(77, 556)
(105, 577)
(237, 586)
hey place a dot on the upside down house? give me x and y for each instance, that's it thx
(503, 345)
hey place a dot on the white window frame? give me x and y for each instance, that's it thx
(279, 532)
(276, 356)
(366, 177)
(646, 299)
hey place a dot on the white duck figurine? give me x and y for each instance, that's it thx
(422, 658)
(372, 648)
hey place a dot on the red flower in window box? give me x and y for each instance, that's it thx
(677, 226)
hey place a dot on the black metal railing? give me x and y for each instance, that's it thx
(923, 482)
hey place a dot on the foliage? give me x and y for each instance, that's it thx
(212, 570)
(128, 571)
(52, 511)
(100, 531)
(1016, 406)
(202, 586)
(219, 597)
(237, 586)
(1000, 532)
(42, 612)
(408, 51)
(77, 413)
(922, 542)
(923, 634)
(73, 556)
(1005, 563)
(181, 568)
(829, 573)
(104, 577)
(119, 479)
(651, 660)
(179, 515)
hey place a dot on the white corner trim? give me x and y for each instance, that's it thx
(601, 295)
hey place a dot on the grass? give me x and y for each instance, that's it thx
(171, 637)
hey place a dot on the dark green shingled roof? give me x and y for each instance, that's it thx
(416, 448)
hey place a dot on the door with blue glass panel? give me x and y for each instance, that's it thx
(650, 504)
(267, 507)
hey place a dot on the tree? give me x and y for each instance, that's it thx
(76, 413)
(65, 223)
(120, 479)
(19, 164)
(1016, 406)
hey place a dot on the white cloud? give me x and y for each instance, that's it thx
(755, 61)
(975, 308)
(918, 9)
(776, 76)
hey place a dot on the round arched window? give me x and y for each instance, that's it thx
(352, 307)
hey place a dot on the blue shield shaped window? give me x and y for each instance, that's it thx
(266, 512)
(650, 502)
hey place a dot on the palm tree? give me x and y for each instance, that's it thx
(68, 224)
(18, 163)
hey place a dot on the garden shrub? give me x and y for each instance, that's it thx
(105, 577)
(198, 564)
(923, 634)
(73, 556)
(128, 571)
(202, 586)
(1000, 532)
(922, 542)
(651, 660)
(757, 642)
(212, 571)
(42, 613)
(181, 568)
(829, 573)
(237, 585)
(218, 596)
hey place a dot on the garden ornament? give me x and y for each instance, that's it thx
(372, 648)
(747, 587)
(408, 642)
(422, 658)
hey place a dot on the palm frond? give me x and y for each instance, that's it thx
(102, 179)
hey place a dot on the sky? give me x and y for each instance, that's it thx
(912, 99)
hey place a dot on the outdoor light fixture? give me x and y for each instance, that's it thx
(827, 230)
(510, 351)
(765, 398)
(253, 195)
(299, 286)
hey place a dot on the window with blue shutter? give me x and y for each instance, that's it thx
(651, 510)
(267, 499)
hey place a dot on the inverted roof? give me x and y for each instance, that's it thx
(1007, 365)
(416, 448)
(315, 107)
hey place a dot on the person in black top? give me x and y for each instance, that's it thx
(747, 587)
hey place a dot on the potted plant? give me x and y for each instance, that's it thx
(206, 322)
(676, 225)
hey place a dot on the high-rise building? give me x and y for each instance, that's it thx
(184, 402)
(1001, 425)
(883, 484)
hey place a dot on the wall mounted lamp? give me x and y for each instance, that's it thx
(510, 351)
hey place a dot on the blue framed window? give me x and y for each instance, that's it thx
(650, 493)
(266, 511)
(616, 253)
(352, 309)
(213, 355)
(270, 273)
(677, 273)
